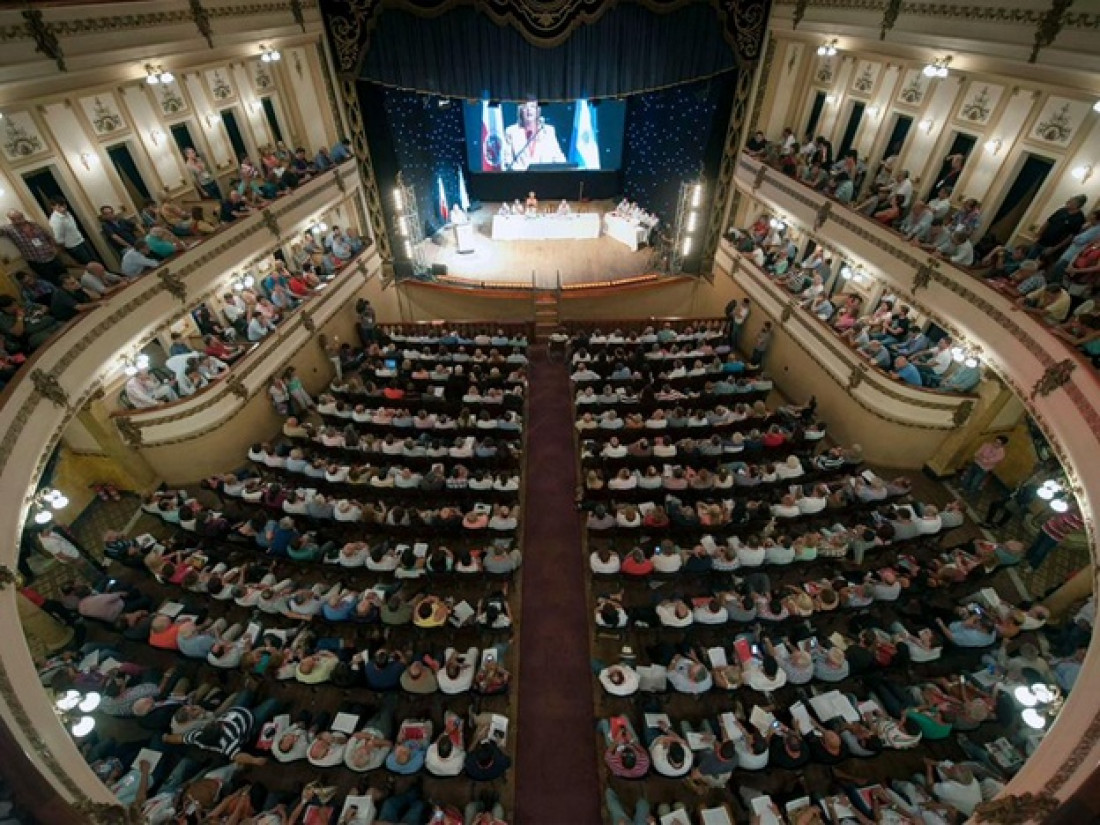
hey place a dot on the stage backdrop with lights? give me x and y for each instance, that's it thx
(597, 100)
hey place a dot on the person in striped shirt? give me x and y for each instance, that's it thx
(1051, 535)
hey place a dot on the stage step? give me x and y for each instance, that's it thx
(547, 315)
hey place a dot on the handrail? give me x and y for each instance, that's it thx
(60, 378)
(1063, 400)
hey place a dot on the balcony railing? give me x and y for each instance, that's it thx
(65, 373)
(900, 402)
(1062, 397)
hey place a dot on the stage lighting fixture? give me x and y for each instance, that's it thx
(686, 248)
(696, 196)
(691, 221)
(398, 198)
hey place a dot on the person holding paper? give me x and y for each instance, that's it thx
(670, 753)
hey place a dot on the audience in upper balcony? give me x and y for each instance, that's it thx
(67, 234)
(70, 300)
(36, 246)
(205, 182)
(1059, 229)
(120, 232)
(98, 281)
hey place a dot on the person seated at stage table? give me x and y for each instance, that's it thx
(517, 207)
(505, 210)
(564, 208)
(531, 205)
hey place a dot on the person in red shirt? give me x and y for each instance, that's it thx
(637, 563)
(1052, 534)
(988, 456)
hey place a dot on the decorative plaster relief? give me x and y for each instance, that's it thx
(103, 113)
(170, 98)
(865, 76)
(217, 80)
(979, 102)
(20, 136)
(262, 77)
(913, 88)
(1059, 120)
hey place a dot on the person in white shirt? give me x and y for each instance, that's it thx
(97, 281)
(258, 328)
(145, 390)
(136, 260)
(957, 787)
(674, 613)
(619, 680)
(67, 233)
(904, 187)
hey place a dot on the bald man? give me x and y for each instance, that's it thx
(36, 246)
(97, 281)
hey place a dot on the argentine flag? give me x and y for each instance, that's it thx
(463, 196)
(585, 150)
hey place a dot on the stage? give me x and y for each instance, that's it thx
(579, 261)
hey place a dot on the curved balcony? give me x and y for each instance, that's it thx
(1063, 398)
(69, 369)
(895, 401)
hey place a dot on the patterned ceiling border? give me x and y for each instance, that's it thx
(144, 20)
(542, 23)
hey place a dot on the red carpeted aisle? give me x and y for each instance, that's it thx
(556, 782)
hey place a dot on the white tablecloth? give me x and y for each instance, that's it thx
(626, 231)
(546, 227)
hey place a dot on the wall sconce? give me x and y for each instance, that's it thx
(155, 135)
(255, 106)
(269, 55)
(211, 118)
(1095, 107)
(993, 146)
(133, 364)
(1054, 491)
(155, 75)
(873, 111)
(317, 227)
(1081, 173)
(827, 49)
(830, 99)
(45, 502)
(938, 67)
(87, 159)
(927, 124)
(777, 224)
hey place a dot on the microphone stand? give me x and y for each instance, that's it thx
(530, 140)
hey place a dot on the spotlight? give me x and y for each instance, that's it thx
(1042, 692)
(82, 728)
(970, 362)
(1033, 719)
(1059, 505)
(69, 701)
(43, 517)
(91, 702)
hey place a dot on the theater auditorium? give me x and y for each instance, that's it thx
(549, 412)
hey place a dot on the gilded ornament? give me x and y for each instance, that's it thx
(105, 813)
(7, 577)
(923, 276)
(202, 23)
(271, 222)
(962, 413)
(758, 179)
(130, 432)
(1049, 27)
(788, 311)
(889, 17)
(45, 40)
(307, 322)
(1013, 809)
(1055, 377)
(799, 12)
(856, 376)
(172, 283)
(824, 210)
(47, 385)
(237, 387)
(296, 13)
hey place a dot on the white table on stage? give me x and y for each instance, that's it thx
(582, 226)
(625, 230)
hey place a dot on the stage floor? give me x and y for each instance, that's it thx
(578, 261)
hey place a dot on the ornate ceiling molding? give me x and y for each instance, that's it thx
(542, 23)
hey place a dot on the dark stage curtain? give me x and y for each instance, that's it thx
(672, 136)
(628, 50)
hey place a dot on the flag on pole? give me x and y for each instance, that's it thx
(585, 151)
(463, 196)
(492, 137)
(442, 199)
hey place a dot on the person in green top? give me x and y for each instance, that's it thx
(928, 721)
